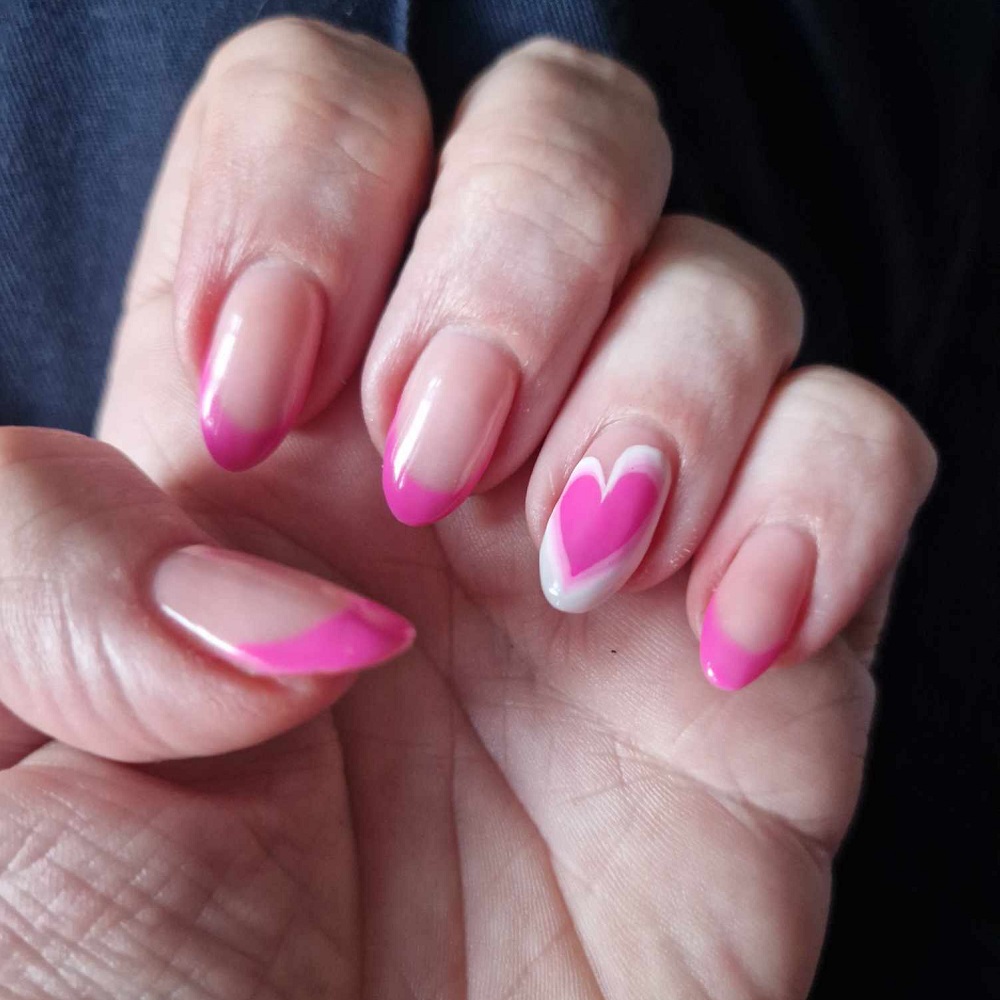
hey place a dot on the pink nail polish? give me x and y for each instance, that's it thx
(752, 615)
(270, 619)
(415, 504)
(726, 663)
(260, 364)
(601, 527)
(447, 425)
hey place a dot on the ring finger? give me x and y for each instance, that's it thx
(660, 413)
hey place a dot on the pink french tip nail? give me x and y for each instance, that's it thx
(727, 664)
(447, 425)
(233, 447)
(755, 609)
(600, 528)
(410, 502)
(257, 374)
(266, 618)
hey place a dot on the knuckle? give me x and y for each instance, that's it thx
(563, 65)
(573, 213)
(301, 79)
(743, 293)
(292, 41)
(881, 431)
(564, 142)
(908, 448)
(785, 307)
(555, 82)
(275, 43)
(743, 311)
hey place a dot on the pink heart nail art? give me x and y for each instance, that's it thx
(600, 529)
(596, 522)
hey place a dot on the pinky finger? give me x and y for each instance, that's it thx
(816, 519)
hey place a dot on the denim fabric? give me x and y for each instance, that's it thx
(854, 139)
(88, 93)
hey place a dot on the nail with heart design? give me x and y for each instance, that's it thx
(601, 526)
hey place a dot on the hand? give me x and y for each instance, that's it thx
(529, 803)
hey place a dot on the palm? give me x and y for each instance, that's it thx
(529, 804)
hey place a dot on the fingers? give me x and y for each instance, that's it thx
(549, 185)
(127, 633)
(679, 438)
(816, 520)
(299, 169)
(639, 458)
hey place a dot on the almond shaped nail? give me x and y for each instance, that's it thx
(601, 527)
(453, 408)
(266, 618)
(754, 611)
(259, 368)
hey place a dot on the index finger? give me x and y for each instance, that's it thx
(284, 205)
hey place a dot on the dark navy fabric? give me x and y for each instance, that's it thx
(854, 139)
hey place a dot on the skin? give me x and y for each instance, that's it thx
(527, 804)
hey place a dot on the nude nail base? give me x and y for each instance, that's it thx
(265, 618)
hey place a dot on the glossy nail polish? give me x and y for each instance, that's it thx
(755, 609)
(266, 618)
(260, 363)
(447, 425)
(601, 526)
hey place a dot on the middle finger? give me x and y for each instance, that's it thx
(550, 184)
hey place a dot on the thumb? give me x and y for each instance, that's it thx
(126, 633)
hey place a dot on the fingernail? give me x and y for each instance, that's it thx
(446, 427)
(260, 363)
(266, 618)
(602, 524)
(754, 610)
